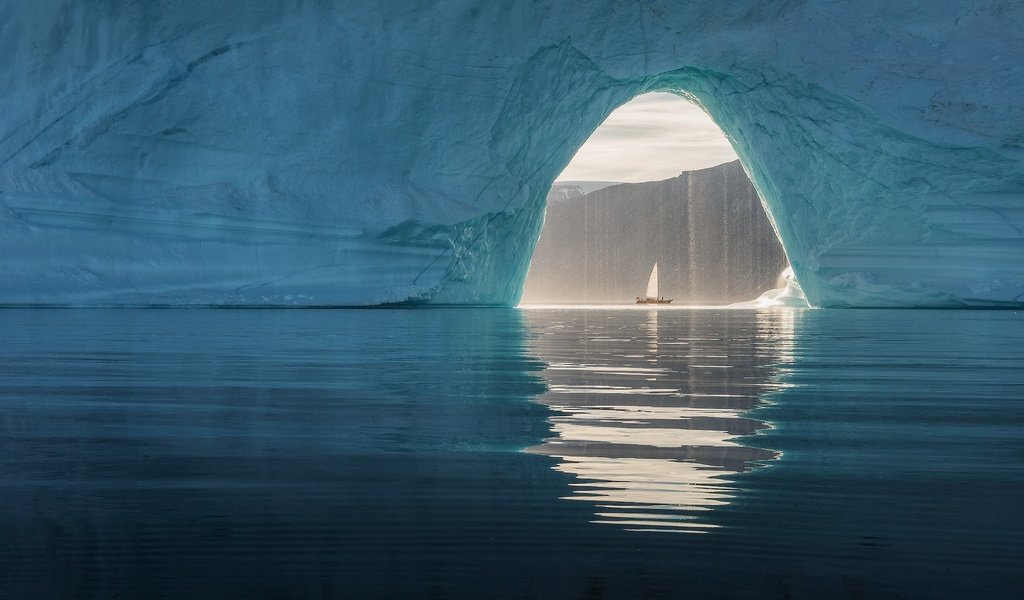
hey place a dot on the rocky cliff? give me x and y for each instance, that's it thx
(706, 230)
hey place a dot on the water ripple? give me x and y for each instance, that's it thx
(646, 417)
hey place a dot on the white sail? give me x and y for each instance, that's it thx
(652, 283)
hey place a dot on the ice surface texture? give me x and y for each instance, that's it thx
(360, 152)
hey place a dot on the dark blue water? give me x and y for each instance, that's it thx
(501, 453)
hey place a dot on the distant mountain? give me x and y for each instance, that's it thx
(706, 230)
(562, 190)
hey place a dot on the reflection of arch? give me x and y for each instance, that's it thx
(646, 417)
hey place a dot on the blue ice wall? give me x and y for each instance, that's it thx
(357, 152)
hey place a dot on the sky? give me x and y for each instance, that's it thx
(655, 136)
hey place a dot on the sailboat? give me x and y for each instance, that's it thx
(652, 296)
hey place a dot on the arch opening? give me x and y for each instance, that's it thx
(658, 182)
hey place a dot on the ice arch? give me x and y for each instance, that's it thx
(359, 152)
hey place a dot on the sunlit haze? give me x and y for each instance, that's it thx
(652, 137)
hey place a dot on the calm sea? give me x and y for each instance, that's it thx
(511, 453)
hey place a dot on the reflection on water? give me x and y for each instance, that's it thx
(648, 407)
(378, 454)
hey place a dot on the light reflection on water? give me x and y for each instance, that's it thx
(364, 454)
(648, 407)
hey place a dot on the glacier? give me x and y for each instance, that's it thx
(358, 152)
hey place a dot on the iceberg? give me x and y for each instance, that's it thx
(358, 153)
(790, 295)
